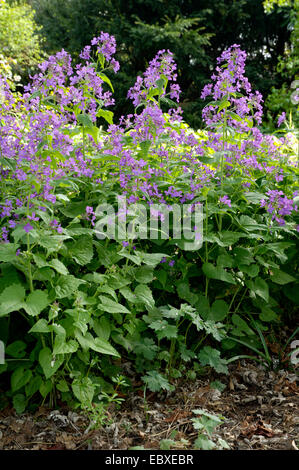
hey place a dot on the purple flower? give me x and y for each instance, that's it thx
(90, 214)
(124, 243)
(225, 200)
(171, 263)
(27, 228)
(229, 81)
(33, 217)
(281, 119)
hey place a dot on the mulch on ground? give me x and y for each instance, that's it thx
(260, 408)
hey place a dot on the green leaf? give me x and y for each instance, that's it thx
(9, 276)
(225, 261)
(107, 115)
(105, 289)
(33, 386)
(103, 347)
(83, 389)
(228, 238)
(144, 274)
(66, 286)
(251, 270)
(145, 146)
(85, 120)
(61, 346)
(41, 326)
(102, 328)
(147, 349)
(62, 386)
(19, 378)
(268, 315)
(110, 306)
(96, 344)
(223, 104)
(164, 329)
(254, 197)
(106, 80)
(128, 294)
(58, 266)
(49, 363)
(183, 290)
(8, 252)
(74, 209)
(243, 256)
(204, 443)
(211, 357)
(241, 325)
(217, 272)
(36, 302)
(152, 259)
(11, 299)
(45, 388)
(81, 250)
(155, 381)
(16, 349)
(144, 296)
(260, 288)
(280, 277)
(219, 311)
(19, 403)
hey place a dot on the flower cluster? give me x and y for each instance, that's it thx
(229, 82)
(278, 205)
(162, 67)
(49, 136)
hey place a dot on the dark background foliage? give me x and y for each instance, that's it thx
(196, 31)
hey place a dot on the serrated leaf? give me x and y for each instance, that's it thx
(36, 302)
(155, 381)
(110, 306)
(11, 299)
(58, 266)
(144, 296)
(144, 274)
(147, 348)
(102, 328)
(8, 252)
(66, 286)
(211, 357)
(83, 389)
(81, 250)
(85, 120)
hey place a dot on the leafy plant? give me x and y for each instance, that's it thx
(205, 423)
(78, 298)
